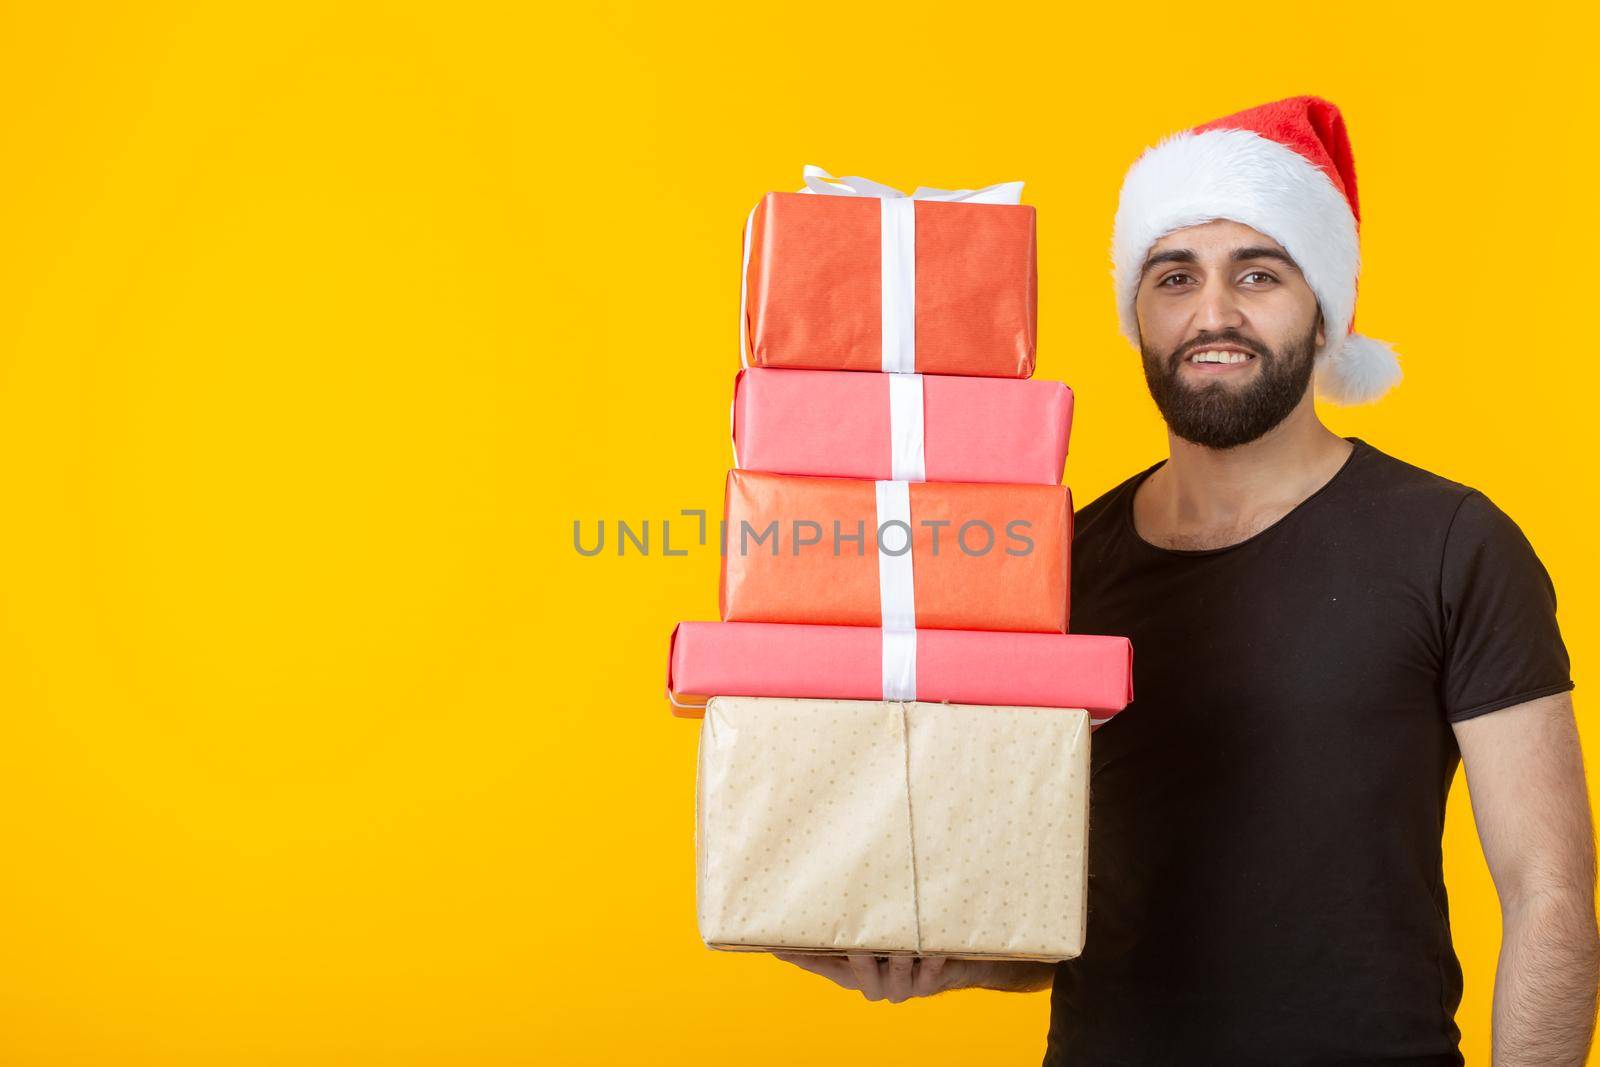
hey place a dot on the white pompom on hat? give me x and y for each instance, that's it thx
(1285, 169)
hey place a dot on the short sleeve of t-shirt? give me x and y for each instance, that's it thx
(1502, 645)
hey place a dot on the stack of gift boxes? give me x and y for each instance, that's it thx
(895, 739)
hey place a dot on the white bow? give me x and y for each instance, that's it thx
(820, 181)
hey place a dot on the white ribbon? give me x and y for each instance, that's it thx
(897, 597)
(907, 461)
(899, 664)
(898, 255)
(896, 593)
(898, 286)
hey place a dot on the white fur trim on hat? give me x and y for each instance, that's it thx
(1192, 178)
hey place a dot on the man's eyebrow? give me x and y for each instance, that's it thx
(1171, 255)
(1263, 252)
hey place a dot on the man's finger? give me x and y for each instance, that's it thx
(868, 978)
(930, 974)
(834, 968)
(897, 978)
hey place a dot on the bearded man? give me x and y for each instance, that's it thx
(1323, 633)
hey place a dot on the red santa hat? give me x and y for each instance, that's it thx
(1286, 170)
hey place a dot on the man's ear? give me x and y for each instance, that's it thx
(1320, 338)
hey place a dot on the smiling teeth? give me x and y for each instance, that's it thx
(1218, 357)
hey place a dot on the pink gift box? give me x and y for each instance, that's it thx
(710, 659)
(839, 424)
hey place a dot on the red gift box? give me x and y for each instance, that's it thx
(959, 296)
(834, 551)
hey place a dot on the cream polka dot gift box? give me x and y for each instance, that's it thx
(892, 827)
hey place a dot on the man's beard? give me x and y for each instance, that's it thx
(1217, 415)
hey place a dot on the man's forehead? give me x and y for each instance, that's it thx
(1218, 235)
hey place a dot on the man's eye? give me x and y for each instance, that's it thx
(1263, 275)
(1171, 277)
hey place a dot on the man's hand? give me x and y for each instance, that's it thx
(899, 978)
(1525, 775)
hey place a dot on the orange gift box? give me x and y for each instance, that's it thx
(983, 556)
(815, 286)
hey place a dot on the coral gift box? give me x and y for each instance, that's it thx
(866, 283)
(894, 828)
(833, 551)
(921, 427)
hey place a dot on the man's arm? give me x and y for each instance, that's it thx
(1525, 776)
(900, 978)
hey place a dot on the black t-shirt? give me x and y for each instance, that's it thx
(1265, 875)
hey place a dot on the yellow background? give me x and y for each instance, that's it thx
(321, 323)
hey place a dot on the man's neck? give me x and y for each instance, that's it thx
(1209, 498)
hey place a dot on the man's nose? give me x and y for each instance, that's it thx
(1218, 308)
